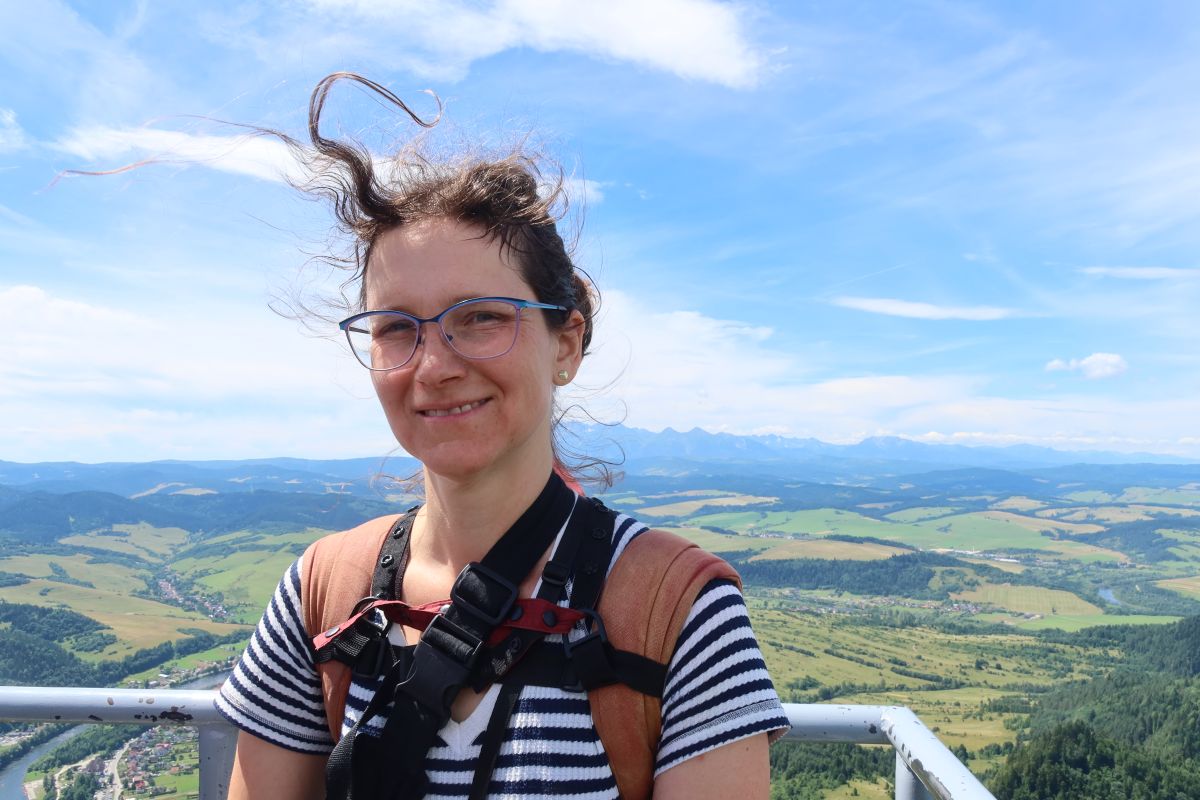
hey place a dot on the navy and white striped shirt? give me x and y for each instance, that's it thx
(717, 691)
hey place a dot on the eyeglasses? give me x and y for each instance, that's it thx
(483, 327)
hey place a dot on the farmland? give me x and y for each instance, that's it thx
(957, 602)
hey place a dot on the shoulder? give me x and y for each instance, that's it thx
(336, 570)
(649, 556)
(653, 583)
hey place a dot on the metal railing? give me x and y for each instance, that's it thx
(925, 768)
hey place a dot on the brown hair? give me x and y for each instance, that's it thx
(509, 199)
(512, 199)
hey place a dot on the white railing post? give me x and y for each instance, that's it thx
(908, 786)
(218, 742)
(925, 767)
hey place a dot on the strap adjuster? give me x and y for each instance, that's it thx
(486, 582)
(555, 574)
(590, 638)
(453, 641)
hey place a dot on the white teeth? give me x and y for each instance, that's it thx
(447, 412)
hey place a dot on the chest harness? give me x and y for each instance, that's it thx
(483, 634)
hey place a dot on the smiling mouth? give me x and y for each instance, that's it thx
(455, 411)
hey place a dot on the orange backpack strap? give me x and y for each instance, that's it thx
(646, 600)
(336, 573)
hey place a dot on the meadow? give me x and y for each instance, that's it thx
(1000, 579)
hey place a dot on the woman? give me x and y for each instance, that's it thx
(470, 316)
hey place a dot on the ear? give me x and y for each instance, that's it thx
(569, 342)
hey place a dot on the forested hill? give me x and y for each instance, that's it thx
(1133, 733)
(40, 517)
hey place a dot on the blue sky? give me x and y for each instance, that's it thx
(970, 223)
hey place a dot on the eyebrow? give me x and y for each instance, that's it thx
(455, 301)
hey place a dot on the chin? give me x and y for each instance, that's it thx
(457, 462)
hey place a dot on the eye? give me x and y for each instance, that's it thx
(483, 316)
(393, 326)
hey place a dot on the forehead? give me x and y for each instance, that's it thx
(425, 267)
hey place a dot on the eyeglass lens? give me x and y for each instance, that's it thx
(478, 329)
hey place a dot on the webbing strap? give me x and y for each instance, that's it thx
(493, 739)
(448, 652)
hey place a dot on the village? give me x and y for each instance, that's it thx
(159, 762)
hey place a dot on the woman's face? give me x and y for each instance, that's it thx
(461, 417)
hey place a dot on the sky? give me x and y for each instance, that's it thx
(971, 223)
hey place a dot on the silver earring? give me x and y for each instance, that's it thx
(563, 376)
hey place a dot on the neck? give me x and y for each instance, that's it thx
(463, 517)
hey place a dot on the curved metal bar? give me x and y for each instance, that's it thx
(925, 767)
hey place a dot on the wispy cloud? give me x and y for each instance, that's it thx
(1143, 273)
(693, 39)
(915, 310)
(1097, 365)
(12, 138)
(257, 156)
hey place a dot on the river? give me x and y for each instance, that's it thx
(12, 777)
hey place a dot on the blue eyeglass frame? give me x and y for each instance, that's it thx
(437, 319)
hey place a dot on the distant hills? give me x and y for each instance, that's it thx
(694, 454)
(646, 452)
(46, 501)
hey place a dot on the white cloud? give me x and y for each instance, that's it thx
(588, 191)
(578, 191)
(90, 382)
(655, 368)
(1097, 365)
(1143, 273)
(694, 39)
(257, 156)
(12, 138)
(914, 310)
(175, 356)
(84, 381)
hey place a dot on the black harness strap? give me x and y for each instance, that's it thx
(493, 739)
(422, 690)
(477, 639)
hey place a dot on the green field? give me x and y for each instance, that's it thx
(921, 513)
(1072, 623)
(247, 575)
(830, 549)
(79, 567)
(1030, 600)
(143, 541)
(723, 543)
(1170, 497)
(135, 621)
(812, 522)
(1188, 586)
(992, 531)
(836, 653)
(685, 507)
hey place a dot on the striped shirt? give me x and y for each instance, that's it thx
(717, 691)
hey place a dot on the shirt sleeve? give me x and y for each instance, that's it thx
(274, 692)
(717, 689)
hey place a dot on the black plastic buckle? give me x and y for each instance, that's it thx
(437, 673)
(440, 626)
(466, 605)
(555, 574)
(597, 632)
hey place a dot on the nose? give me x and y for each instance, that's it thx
(435, 360)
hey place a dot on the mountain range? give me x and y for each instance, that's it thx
(632, 452)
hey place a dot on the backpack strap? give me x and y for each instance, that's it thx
(645, 602)
(335, 574)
